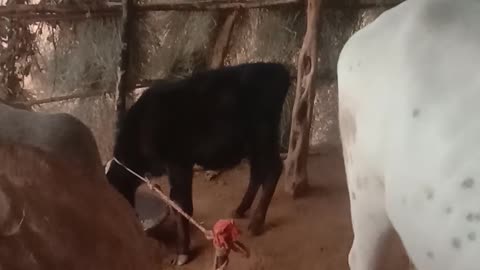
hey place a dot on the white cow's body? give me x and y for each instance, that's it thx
(409, 109)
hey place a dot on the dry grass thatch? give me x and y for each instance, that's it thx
(83, 56)
(83, 59)
(174, 43)
(177, 44)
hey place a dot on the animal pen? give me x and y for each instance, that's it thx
(93, 58)
(72, 57)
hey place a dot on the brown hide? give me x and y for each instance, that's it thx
(59, 134)
(51, 218)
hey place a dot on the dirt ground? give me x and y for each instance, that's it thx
(312, 232)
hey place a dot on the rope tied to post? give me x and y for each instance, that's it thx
(224, 235)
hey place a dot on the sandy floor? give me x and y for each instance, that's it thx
(313, 232)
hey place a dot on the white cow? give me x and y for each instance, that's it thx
(409, 112)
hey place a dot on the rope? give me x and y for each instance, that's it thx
(224, 234)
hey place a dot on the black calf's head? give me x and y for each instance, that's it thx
(122, 180)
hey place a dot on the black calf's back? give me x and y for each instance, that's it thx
(212, 118)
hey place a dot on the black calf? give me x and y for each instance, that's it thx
(214, 119)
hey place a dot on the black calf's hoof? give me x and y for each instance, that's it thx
(180, 260)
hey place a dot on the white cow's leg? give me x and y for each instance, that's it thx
(371, 226)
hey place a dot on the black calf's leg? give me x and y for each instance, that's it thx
(268, 171)
(180, 179)
(249, 196)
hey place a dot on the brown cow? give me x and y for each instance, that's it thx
(60, 134)
(50, 218)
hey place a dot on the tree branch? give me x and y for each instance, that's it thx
(60, 98)
(195, 5)
(296, 179)
(327, 76)
(123, 83)
(57, 12)
(222, 41)
(33, 13)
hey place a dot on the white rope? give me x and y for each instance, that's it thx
(144, 179)
(208, 234)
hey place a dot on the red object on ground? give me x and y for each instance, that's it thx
(225, 233)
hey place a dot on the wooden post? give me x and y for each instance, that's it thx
(220, 50)
(296, 178)
(123, 78)
(223, 39)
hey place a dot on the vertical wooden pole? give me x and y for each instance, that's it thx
(123, 78)
(220, 50)
(296, 178)
(223, 39)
